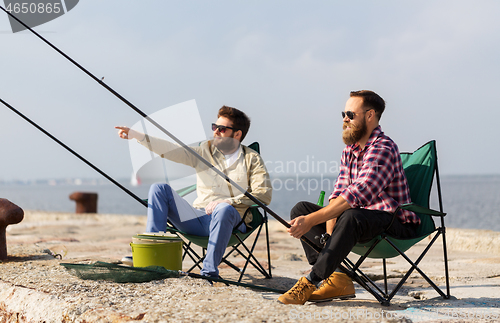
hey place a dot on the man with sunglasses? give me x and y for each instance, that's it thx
(219, 208)
(370, 186)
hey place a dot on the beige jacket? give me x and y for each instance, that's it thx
(248, 171)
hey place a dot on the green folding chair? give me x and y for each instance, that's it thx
(237, 241)
(420, 167)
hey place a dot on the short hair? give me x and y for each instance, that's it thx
(371, 100)
(240, 120)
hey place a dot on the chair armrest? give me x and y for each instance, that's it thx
(248, 210)
(186, 190)
(254, 206)
(182, 192)
(420, 209)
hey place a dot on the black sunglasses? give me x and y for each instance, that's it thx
(222, 129)
(351, 114)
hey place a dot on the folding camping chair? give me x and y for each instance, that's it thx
(420, 167)
(237, 241)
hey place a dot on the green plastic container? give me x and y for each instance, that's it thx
(152, 250)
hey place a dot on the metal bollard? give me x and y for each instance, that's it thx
(85, 202)
(9, 214)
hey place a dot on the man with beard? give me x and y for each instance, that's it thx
(370, 186)
(218, 208)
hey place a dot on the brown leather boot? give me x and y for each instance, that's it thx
(299, 293)
(338, 285)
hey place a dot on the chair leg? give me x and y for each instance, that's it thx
(268, 247)
(185, 247)
(362, 258)
(195, 258)
(414, 266)
(447, 275)
(443, 232)
(257, 264)
(196, 264)
(249, 257)
(384, 298)
(192, 254)
(363, 281)
(230, 264)
(385, 276)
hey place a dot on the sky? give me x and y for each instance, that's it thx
(290, 65)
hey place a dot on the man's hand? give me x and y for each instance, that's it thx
(299, 226)
(211, 206)
(123, 132)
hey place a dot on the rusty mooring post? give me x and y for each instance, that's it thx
(85, 202)
(9, 214)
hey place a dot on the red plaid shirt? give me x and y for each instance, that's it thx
(373, 178)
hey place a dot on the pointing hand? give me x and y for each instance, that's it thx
(123, 132)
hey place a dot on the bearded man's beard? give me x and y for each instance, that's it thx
(353, 135)
(225, 144)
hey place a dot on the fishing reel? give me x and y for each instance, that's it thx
(323, 239)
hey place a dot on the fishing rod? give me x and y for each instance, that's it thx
(179, 142)
(74, 153)
(180, 273)
(177, 274)
(189, 149)
(171, 273)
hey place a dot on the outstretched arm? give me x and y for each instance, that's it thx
(161, 147)
(127, 133)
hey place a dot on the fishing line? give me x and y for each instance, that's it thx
(74, 153)
(180, 143)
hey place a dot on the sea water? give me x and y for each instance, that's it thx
(471, 202)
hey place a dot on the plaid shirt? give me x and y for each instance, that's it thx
(373, 178)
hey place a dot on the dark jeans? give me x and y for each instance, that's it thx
(353, 226)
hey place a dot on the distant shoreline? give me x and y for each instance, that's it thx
(124, 180)
(471, 201)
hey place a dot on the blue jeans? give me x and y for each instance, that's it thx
(165, 204)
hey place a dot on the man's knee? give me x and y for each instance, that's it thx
(224, 212)
(223, 206)
(350, 218)
(301, 208)
(159, 188)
